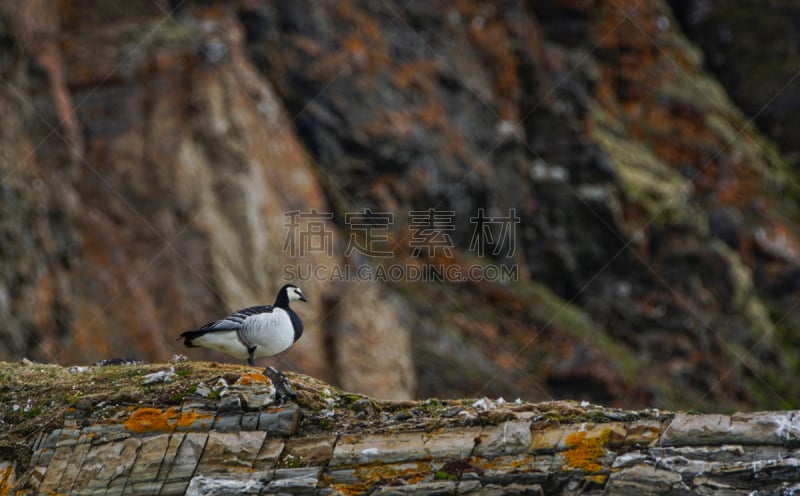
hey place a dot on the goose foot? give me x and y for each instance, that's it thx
(283, 388)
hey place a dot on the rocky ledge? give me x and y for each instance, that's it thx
(198, 428)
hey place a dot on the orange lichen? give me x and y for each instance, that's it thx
(249, 379)
(585, 451)
(375, 474)
(6, 479)
(154, 420)
(188, 418)
(523, 463)
(147, 420)
(369, 476)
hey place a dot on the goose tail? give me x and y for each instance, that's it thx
(189, 336)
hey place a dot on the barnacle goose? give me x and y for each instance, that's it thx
(253, 331)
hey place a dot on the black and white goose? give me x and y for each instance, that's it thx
(253, 331)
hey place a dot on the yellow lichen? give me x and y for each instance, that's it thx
(584, 452)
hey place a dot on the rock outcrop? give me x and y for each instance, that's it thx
(150, 158)
(202, 429)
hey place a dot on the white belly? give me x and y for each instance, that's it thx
(224, 341)
(271, 333)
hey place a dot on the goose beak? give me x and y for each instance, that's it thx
(303, 298)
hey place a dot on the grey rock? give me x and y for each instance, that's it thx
(224, 485)
(763, 428)
(280, 423)
(230, 405)
(250, 421)
(440, 488)
(295, 480)
(228, 422)
(230, 451)
(645, 479)
(510, 437)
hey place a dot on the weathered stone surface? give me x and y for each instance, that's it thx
(432, 451)
(778, 428)
(508, 438)
(282, 422)
(250, 421)
(228, 422)
(267, 456)
(545, 439)
(357, 450)
(224, 485)
(764, 428)
(152, 455)
(441, 488)
(300, 452)
(187, 456)
(106, 463)
(405, 446)
(371, 475)
(642, 433)
(295, 480)
(196, 420)
(643, 478)
(55, 469)
(503, 462)
(511, 489)
(231, 451)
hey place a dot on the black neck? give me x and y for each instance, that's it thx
(282, 301)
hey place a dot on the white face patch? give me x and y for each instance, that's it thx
(295, 294)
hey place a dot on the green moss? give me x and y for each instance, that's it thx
(661, 191)
(326, 424)
(431, 405)
(443, 475)
(549, 307)
(34, 412)
(163, 35)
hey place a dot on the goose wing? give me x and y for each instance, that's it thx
(233, 322)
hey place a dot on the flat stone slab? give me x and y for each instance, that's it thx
(405, 446)
(280, 422)
(762, 428)
(231, 451)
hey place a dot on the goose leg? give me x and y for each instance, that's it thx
(250, 358)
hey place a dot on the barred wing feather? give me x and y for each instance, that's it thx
(233, 322)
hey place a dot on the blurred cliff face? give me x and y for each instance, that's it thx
(163, 164)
